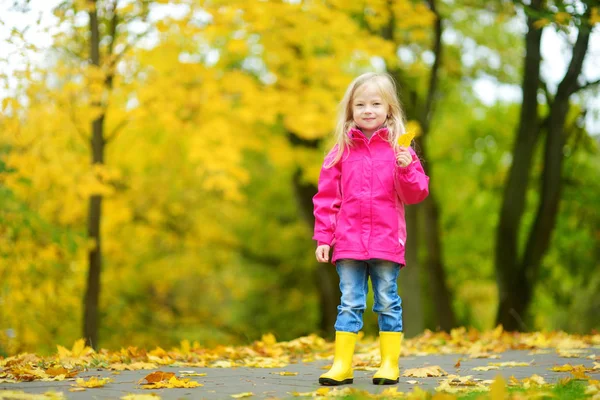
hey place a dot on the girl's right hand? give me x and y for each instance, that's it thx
(403, 157)
(323, 253)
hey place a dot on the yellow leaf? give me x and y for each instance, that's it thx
(158, 376)
(151, 396)
(511, 364)
(240, 395)
(424, 372)
(172, 383)
(406, 139)
(269, 339)
(498, 389)
(285, 373)
(562, 368)
(93, 382)
(488, 368)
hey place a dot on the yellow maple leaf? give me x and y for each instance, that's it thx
(562, 368)
(407, 138)
(424, 372)
(93, 382)
(173, 383)
(151, 396)
(240, 395)
(285, 373)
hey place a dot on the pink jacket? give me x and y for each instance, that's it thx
(359, 206)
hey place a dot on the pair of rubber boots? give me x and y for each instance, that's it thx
(341, 370)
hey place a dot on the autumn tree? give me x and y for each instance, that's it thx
(518, 266)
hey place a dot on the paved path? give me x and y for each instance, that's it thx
(263, 383)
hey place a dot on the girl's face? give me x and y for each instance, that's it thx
(369, 110)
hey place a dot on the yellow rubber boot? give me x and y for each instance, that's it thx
(389, 345)
(341, 370)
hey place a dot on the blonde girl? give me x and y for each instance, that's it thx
(365, 181)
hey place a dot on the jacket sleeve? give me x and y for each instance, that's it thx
(412, 185)
(327, 201)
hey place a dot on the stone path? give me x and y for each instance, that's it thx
(263, 383)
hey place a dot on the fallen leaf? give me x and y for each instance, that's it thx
(93, 382)
(285, 373)
(240, 395)
(151, 396)
(424, 372)
(488, 368)
(172, 383)
(157, 377)
(512, 364)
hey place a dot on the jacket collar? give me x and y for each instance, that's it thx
(356, 133)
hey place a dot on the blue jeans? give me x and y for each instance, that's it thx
(354, 277)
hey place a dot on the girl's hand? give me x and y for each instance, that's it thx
(403, 157)
(323, 253)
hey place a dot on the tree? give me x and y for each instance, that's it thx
(518, 270)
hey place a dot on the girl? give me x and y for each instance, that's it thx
(365, 181)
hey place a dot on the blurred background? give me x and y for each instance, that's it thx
(158, 161)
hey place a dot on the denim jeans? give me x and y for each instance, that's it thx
(354, 276)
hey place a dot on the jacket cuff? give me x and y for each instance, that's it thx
(406, 170)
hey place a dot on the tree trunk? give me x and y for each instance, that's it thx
(508, 270)
(517, 275)
(440, 293)
(92, 295)
(409, 280)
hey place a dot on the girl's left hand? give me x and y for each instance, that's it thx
(403, 157)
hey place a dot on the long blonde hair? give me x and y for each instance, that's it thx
(395, 122)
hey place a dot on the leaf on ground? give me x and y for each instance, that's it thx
(533, 381)
(193, 374)
(484, 368)
(151, 396)
(285, 373)
(241, 395)
(574, 353)
(319, 392)
(483, 355)
(20, 395)
(172, 383)
(57, 371)
(512, 364)
(157, 376)
(93, 382)
(133, 366)
(425, 372)
(562, 368)
(223, 364)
